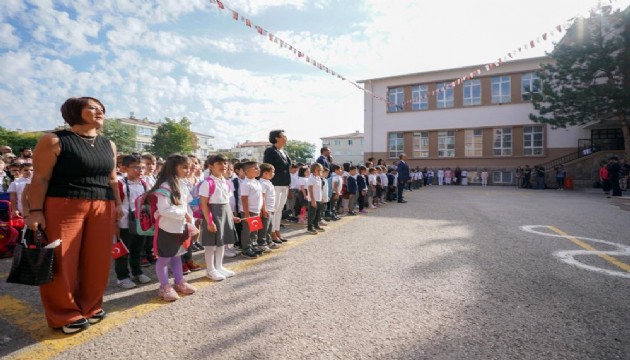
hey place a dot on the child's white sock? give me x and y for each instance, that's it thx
(209, 256)
(218, 257)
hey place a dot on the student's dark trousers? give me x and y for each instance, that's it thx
(314, 214)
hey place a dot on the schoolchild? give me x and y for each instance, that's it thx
(326, 195)
(352, 189)
(301, 203)
(237, 181)
(314, 198)
(335, 180)
(217, 227)
(391, 180)
(253, 204)
(294, 188)
(173, 223)
(17, 188)
(362, 188)
(267, 172)
(230, 249)
(130, 187)
(372, 184)
(430, 176)
(484, 177)
(191, 181)
(5, 179)
(149, 177)
(345, 198)
(384, 184)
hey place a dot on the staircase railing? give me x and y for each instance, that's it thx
(585, 148)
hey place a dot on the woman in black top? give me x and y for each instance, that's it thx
(74, 197)
(276, 156)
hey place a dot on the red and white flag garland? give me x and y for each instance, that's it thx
(487, 67)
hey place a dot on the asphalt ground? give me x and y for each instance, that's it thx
(456, 273)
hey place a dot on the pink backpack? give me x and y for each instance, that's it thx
(195, 203)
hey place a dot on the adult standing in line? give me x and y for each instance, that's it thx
(613, 175)
(403, 176)
(276, 156)
(323, 158)
(74, 197)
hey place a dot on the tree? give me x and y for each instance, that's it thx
(18, 140)
(586, 81)
(173, 137)
(124, 136)
(300, 151)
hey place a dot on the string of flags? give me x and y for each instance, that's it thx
(449, 85)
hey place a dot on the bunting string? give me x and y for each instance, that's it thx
(488, 67)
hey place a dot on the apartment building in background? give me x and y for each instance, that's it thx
(251, 150)
(346, 148)
(481, 124)
(145, 130)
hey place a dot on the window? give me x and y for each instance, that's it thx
(502, 142)
(361, 141)
(349, 142)
(501, 90)
(419, 98)
(446, 143)
(421, 145)
(396, 144)
(473, 142)
(502, 177)
(445, 97)
(396, 99)
(143, 131)
(337, 142)
(142, 146)
(530, 82)
(532, 140)
(472, 92)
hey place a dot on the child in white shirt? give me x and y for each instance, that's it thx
(314, 198)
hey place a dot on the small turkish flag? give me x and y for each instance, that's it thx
(119, 249)
(254, 223)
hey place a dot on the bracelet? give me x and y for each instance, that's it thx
(35, 210)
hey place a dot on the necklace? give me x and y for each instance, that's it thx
(90, 140)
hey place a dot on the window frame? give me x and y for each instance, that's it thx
(421, 150)
(529, 136)
(396, 92)
(505, 177)
(530, 78)
(446, 97)
(470, 143)
(399, 143)
(446, 150)
(420, 92)
(468, 92)
(503, 149)
(501, 98)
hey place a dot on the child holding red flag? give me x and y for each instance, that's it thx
(173, 221)
(217, 228)
(253, 206)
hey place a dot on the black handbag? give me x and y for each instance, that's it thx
(32, 263)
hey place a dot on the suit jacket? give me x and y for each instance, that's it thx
(281, 163)
(403, 171)
(322, 160)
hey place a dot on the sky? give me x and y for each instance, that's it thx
(176, 58)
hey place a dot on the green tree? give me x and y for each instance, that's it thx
(173, 137)
(586, 81)
(123, 135)
(300, 151)
(18, 140)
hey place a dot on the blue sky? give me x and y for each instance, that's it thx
(175, 58)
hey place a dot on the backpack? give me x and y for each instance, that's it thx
(195, 203)
(146, 206)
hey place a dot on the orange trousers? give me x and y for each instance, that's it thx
(81, 268)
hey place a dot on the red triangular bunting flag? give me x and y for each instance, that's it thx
(234, 15)
(248, 22)
(220, 5)
(300, 54)
(544, 36)
(270, 37)
(559, 28)
(254, 223)
(531, 43)
(260, 30)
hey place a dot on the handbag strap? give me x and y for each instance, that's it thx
(128, 196)
(33, 235)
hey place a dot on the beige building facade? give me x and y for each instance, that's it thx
(346, 148)
(481, 123)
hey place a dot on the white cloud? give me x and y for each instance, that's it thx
(7, 38)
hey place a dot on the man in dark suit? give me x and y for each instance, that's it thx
(403, 177)
(276, 156)
(323, 158)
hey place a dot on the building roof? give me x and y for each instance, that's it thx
(464, 69)
(253, 144)
(353, 135)
(143, 122)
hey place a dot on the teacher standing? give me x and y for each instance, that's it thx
(276, 156)
(74, 197)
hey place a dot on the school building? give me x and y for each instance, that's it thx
(481, 123)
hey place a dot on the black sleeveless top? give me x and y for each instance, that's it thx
(82, 171)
